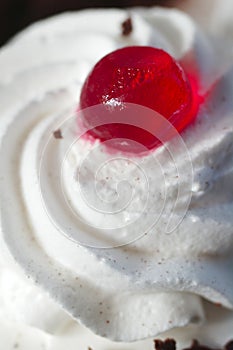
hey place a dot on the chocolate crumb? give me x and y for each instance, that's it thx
(89, 348)
(127, 27)
(57, 134)
(168, 344)
(107, 321)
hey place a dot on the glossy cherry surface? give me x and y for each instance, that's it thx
(141, 75)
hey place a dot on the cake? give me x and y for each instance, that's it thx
(77, 272)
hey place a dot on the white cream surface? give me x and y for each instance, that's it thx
(213, 15)
(155, 283)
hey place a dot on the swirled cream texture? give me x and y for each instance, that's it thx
(90, 227)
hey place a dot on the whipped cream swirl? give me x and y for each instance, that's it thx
(157, 282)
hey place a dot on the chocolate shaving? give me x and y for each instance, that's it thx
(57, 134)
(170, 344)
(127, 27)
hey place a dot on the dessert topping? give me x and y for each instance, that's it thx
(127, 27)
(170, 344)
(57, 134)
(144, 76)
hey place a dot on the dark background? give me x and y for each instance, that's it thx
(17, 14)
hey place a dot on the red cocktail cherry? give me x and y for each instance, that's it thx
(141, 75)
